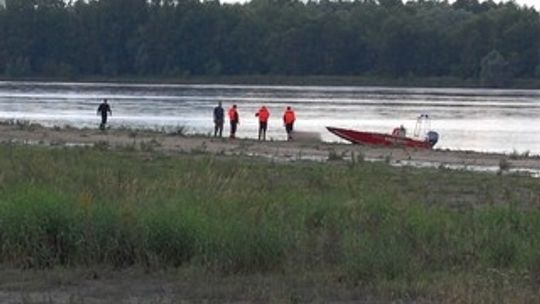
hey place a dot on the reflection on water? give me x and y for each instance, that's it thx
(466, 119)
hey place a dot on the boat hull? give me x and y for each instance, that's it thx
(378, 139)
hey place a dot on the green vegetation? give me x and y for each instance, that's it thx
(393, 42)
(383, 227)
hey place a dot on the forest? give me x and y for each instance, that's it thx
(465, 39)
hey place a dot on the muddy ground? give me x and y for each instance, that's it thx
(170, 286)
(305, 148)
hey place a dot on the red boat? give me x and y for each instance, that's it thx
(380, 139)
(396, 139)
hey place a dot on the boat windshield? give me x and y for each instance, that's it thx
(423, 126)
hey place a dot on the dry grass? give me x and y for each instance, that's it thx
(398, 233)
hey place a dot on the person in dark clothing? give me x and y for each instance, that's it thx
(104, 109)
(219, 117)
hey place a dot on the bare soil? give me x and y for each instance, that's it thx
(305, 149)
(183, 285)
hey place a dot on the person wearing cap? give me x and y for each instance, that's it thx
(263, 115)
(288, 119)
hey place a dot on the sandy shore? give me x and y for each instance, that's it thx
(278, 150)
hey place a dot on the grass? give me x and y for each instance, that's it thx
(392, 230)
(21, 124)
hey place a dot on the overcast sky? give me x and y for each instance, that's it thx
(534, 3)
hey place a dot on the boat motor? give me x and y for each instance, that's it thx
(432, 137)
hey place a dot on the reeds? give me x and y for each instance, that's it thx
(368, 222)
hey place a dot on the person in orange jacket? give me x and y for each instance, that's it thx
(288, 119)
(234, 119)
(263, 115)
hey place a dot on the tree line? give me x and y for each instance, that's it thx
(466, 39)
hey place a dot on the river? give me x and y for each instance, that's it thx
(485, 120)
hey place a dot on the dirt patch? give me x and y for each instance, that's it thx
(183, 285)
(286, 150)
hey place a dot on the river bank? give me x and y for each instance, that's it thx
(499, 121)
(133, 216)
(403, 82)
(308, 148)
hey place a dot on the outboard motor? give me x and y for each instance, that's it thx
(432, 137)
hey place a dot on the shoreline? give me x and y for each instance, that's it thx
(306, 150)
(309, 80)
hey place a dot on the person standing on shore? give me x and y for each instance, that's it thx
(234, 119)
(219, 117)
(288, 119)
(263, 115)
(104, 109)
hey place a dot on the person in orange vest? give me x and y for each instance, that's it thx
(288, 119)
(263, 115)
(234, 119)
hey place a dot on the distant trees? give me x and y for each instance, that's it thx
(467, 39)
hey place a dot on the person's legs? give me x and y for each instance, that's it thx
(233, 129)
(264, 125)
(218, 128)
(288, 128)
(103, 121)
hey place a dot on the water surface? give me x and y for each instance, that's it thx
(466, 119)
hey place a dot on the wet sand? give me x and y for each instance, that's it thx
(305, 149)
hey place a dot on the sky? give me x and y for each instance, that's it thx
(533, 3)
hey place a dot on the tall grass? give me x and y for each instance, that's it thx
(368, 222)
